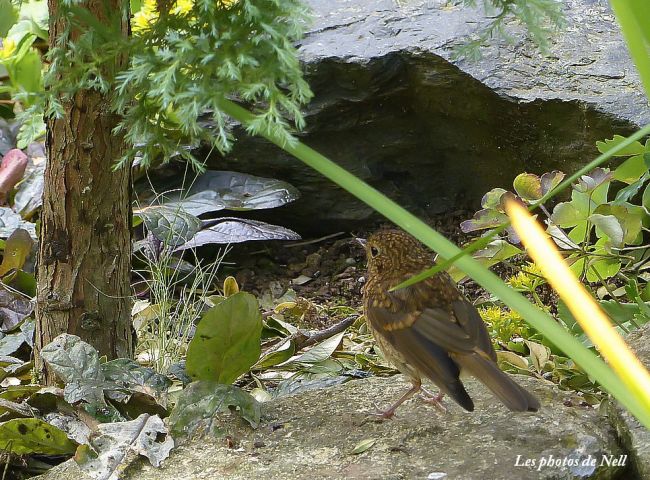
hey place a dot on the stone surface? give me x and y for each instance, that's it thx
(433, 133)
(633, 436)
(312, 435)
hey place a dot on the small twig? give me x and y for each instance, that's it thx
(327, 333)
(303, 339)
(315, 240)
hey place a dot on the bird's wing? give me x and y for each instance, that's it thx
(458, 329)
(452, 333)
(443, 316)
(429, 358)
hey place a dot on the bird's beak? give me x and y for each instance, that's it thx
(361, 241)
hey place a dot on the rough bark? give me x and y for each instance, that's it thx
(85, 246)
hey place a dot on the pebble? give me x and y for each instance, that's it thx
(313, 260)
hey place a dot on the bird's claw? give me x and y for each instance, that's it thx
(387, 414)
(433, 399)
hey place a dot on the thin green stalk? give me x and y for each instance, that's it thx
(634, 18)
(593, 365)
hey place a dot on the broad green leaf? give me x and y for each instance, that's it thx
(528, 186)
(70, 358)
(577, 266)
(620, 313)
(602, 269)
(24, 436)
(227, 340)
(281, 327)
(8, 16)
(319, 352)
(18, 393)
(578, 234)
(511, 358)
(626, 193)
(136, 5)
(550, 180)
(486, 218)
(215, 190)
(171, 226)
(282, 354)
(635, 148)
(17, 248)
(492, 199)
(497, 251)
(629, 216)
(539, 355)
(201, 402)
(608, 225)
(26, 72)
(127, 372)
(565, 214)
(631, 169)
(236, 230)
(596, 184)
(198, 203)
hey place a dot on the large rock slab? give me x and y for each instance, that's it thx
(634, 437)
(435, 133)
(313, 435)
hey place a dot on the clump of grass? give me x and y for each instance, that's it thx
(178, 293)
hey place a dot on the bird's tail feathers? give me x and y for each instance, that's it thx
(505, 388)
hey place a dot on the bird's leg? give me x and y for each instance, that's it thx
(433, 399)
(390, 412)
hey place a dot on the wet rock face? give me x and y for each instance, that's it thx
(634, 437)
(435, 134)
(313, 435)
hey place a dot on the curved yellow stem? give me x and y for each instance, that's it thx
(584, 308)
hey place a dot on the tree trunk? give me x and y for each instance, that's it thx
(84, 260)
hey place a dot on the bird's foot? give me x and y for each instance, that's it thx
(382, 414)
(390, 412)
(433, 399)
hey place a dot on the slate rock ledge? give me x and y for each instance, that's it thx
(392, 106)
(634, 437)
(312, 435)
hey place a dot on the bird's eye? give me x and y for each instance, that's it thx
(374, 251)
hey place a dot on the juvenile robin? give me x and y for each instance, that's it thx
(430, 330)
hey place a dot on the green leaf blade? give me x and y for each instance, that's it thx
(227, 340)
(24, 436)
